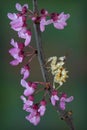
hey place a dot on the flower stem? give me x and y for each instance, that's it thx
(41, 57)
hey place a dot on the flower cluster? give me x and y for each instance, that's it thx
(19, 23)
(57, 69)
(35, 110)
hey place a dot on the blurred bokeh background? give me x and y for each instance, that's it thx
(71, 42)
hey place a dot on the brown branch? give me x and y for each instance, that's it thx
(41, 57)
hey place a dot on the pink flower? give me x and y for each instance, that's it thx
(34, 116)
(34, 119)
(25, 34)
(42, 107)
(27, 102)
(64, 100)
(54, 97)
(29, 87)
(17, 21)
(43, 23)
(59, 20)
(25, 71)
(23, 8)
(16, 52)
(41, 19)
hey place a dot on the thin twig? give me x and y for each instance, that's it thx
(41, 55)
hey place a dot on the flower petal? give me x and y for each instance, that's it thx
(53, 101)
(27, 39)
(26, 74)
(42, 110)
(62, 105)
(24, 83)
(56, 97)
(23, 98)
(13, 43)
(14, 52)
(14, 62)
(17, 24)
(69, 99)
(28, 91)
(18, 7)
(58, 25)
(12, 16)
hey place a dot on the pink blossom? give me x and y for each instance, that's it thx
(23, 8)
(59, 20)
(34, 119)
(34, 116)
(27, 102)
(43, 23)
(29, 87)
(25, 34)
(17, 21)
(34, 109)
(16, 52)
(54, 97)
(41, 19)
(64, 100)
(25, 71)
(42, 107)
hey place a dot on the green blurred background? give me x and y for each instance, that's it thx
(70, 41)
